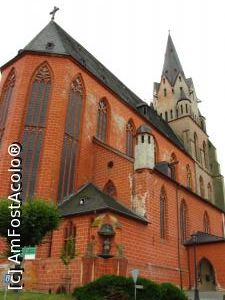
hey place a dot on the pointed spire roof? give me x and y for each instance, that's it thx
(172, 66)
(48, 40)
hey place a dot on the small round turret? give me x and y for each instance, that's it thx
(144, 148)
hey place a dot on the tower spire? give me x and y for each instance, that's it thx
(172, 66)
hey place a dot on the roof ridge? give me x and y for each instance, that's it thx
(70, 47)
(104, 68)
(103, 200)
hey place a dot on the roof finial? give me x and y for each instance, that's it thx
(169, 31)
(54, 12)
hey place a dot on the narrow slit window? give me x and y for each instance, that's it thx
(166, 116)
(183, 221)
(162, 214)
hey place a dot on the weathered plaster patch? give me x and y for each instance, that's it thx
(91, 98)
(130, 179)
(139, 203)
(120, 122)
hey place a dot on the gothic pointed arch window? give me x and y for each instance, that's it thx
(71, 139)
(209, 189)
(110, 189)
(162, 213)
(196, 145)
(183, 221)
(206, 223)
(156, 149)
(5, 100)
(69, 244)
(189, 177)
(102, 121)
(35, 123)
(173, 166)
(205, 155)
(130, 132)
(201, 187)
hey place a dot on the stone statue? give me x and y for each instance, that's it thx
(106, 247)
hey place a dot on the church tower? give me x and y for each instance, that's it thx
(175, 100)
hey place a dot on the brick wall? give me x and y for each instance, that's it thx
(158, 259)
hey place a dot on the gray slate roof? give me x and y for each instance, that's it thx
(144, 129)
(183, 96)
(172, 66)
(156, 86)
(90, 199)
(204, 238)
(64, 44)
(189, 82)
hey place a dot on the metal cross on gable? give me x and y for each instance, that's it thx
(53, 12)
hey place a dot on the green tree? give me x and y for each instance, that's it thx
(38, 217)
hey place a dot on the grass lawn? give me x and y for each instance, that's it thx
(34, 296)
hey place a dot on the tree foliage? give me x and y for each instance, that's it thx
(38, 217)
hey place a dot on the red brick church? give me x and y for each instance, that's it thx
(133, 182)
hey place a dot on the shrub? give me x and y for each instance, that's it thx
(116, 293)
(151, 290)
(171, 292)
(112, 287)
(100, 288)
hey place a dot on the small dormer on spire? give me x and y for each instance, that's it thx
(172, 66)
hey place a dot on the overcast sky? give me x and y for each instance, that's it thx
(129, 38)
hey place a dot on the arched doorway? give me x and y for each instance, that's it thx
(207, 279)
